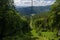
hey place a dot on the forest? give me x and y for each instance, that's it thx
(14, 26)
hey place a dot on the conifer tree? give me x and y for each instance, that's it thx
(11, 23)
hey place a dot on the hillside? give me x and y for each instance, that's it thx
(32, 10)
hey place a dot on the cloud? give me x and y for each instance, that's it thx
(35, 2)
(41, 3)
(22, 2)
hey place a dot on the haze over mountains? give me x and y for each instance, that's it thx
(32, 9)
(26, 7)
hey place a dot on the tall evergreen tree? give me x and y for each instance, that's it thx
(11, 23)
(56, 10)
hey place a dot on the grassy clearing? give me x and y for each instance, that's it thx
(45, 35)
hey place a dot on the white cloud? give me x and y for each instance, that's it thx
(35, 2)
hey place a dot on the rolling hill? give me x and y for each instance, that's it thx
(32, 9)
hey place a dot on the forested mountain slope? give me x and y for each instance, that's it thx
(14, 26)
(33, 9)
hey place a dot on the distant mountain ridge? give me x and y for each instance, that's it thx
(32, 9)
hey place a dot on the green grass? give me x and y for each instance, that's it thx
(45, 35)
(49, 35)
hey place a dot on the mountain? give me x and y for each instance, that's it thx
(32, 9)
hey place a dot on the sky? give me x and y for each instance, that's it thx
(25, 3)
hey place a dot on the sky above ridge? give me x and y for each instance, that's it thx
(25, 3)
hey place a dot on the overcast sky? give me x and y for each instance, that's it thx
(26, 3)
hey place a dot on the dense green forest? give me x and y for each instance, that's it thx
(14, 26)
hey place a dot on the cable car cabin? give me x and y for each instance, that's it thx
(44, 30)
(59, 33)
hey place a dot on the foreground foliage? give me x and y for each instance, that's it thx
(36, 27)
